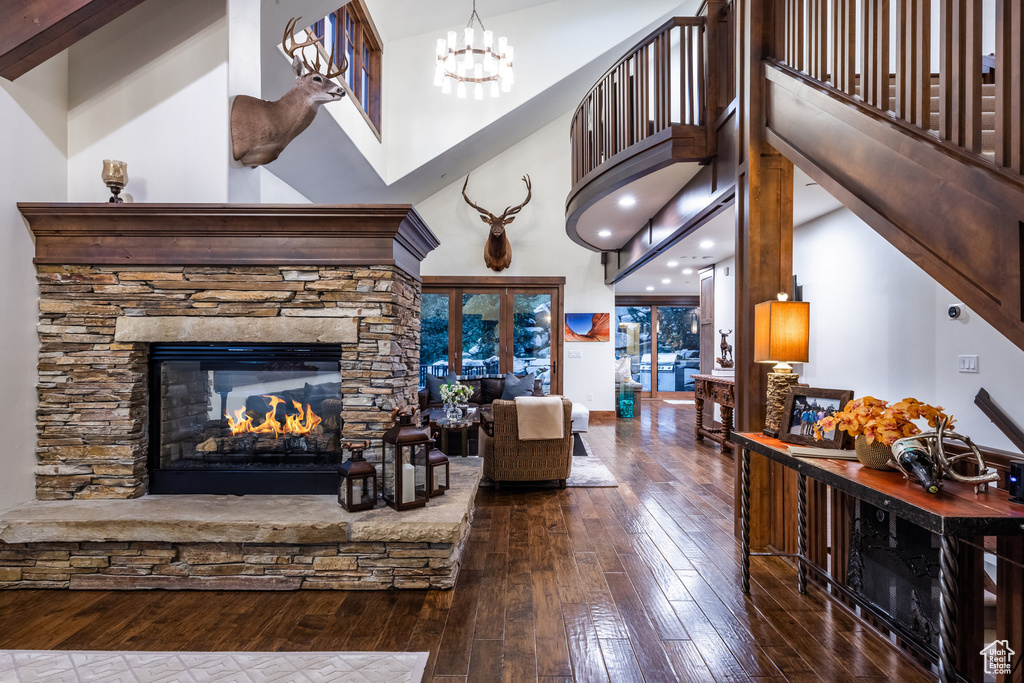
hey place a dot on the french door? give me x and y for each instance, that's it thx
(662, 337)
(490, 326)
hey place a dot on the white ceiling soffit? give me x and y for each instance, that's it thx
(650, 193)
(326, 166)
(810, 202)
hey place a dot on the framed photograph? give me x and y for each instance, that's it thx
(805, 406)
(587, 327)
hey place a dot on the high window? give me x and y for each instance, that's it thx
(352, 30)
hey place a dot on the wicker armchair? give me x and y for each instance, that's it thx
(506, 458)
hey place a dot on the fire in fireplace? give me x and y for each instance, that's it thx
(237, 419)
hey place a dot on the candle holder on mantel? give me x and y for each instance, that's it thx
(357, 489)
(405, 462)
(115, 176)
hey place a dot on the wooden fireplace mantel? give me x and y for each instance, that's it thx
(229, 234)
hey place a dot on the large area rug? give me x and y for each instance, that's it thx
(174, 667)
(587, 471)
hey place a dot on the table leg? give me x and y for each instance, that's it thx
(699, 405)
(726, 428)
(444, 440)
(948, 570)
(745, 516)
(801, 533)
(465, 442)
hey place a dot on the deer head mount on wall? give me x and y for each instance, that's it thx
(498, 250)
(260, 130)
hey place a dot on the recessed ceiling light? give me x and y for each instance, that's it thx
(687, 271)
(665, 281)
(650, 288)
(673, 264)
(707, 244)
(604, 233)
(627, 201)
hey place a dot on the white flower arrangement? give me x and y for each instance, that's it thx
(454, 392)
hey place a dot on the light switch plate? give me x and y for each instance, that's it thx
(575, 354)
(967, 363)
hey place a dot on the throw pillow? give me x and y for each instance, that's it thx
(434, 386)
(623, 368)
(491, 388)
(516, 386)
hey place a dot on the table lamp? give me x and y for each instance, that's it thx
(781, 331)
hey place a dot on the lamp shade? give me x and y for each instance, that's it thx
(781, 330)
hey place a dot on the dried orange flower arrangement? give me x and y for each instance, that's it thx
(874, 419)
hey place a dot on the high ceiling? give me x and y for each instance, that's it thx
(397, 19)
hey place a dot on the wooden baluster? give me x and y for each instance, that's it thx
(905, 37)
(642, 77)
(971, 97)
(844, 45)
(801, 35)
(1010, 84)
(874, 73)
(622, 88)
(960, 78)
(701, 76)
(921, 65)
(818, 40)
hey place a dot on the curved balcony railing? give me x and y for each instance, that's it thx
(658, 84)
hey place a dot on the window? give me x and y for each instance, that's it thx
(352, 30)
(489, 326)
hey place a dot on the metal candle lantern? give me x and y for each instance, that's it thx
(115, 177)
(437, 473)
(405, 451)
(357, 489)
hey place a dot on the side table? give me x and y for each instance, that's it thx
(450, 430)
(720, 390)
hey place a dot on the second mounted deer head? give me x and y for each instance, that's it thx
(260, 130)
(498, 250)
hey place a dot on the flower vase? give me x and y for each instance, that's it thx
(875, 455)
(452, 412)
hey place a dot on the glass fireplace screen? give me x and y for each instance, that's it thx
(253, 408)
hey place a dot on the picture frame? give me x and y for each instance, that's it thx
(587, 327)
(803, 404)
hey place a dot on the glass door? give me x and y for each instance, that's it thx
(633, 339)
(434, 336)
(481, 334)
(531, 335)
(678, 335)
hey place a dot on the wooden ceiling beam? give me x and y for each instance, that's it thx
(32, 31)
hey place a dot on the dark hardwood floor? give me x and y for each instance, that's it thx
(635, 583)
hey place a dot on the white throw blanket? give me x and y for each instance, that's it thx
(540, 417)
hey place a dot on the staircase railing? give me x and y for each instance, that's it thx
(927, 69)
(659, 83)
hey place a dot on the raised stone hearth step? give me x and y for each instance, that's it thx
(237, 542)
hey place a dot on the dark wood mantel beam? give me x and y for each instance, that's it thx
(32, 31)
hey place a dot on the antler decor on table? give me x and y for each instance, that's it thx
(498, 250)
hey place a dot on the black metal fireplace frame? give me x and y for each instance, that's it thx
(233, 482)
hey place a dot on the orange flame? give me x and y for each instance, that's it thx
(295, 425)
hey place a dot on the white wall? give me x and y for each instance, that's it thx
(33, 147)
(540, 246)
(151, 89)
(879, 327)
(725, 301)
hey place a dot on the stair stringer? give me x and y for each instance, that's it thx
(957, 216)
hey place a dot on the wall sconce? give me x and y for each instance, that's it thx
(781, 333)
(115, 176)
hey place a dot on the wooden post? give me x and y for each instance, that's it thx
(764, 232)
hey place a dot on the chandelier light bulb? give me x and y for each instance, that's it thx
(495, 90)
(442, 48)
(446, 87)
(478, 91)
(460, 91)
(439, 74)
(502, 45)
(469, 47)
(488, 40)
(453, 43)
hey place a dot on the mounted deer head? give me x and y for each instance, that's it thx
(260, 130)
(498, 250)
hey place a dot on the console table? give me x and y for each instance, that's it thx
(955, 512)
(720, 390)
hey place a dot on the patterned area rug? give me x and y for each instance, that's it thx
(587, 472)
(174, 667)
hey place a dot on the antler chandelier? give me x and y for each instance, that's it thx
(473, 64)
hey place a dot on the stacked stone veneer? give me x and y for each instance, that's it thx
(93, 390)
(229, 566)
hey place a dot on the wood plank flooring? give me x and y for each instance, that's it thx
(635, 583)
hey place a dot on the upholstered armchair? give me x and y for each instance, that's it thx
(507, 458)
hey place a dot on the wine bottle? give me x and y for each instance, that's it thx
(914, 461)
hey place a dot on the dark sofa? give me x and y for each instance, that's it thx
(485, 390)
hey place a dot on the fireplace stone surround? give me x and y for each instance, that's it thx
(114, 279)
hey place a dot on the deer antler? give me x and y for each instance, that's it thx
(510, 212)
(484, 213)
(289, 37)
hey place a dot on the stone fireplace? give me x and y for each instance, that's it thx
(166, 329)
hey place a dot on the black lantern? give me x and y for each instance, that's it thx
(437, 473)
(357, 488)
(404, 467)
